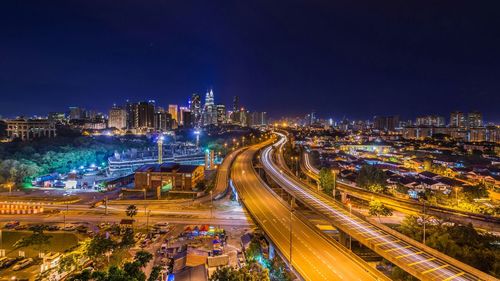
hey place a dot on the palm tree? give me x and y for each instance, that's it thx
(131, 211)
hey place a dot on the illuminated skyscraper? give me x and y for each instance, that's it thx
(117, 118)
(173, 109)
(195, 107)
(457, 119)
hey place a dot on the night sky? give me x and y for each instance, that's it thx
(340, 58)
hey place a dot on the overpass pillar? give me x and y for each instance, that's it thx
(343, 238)
(343, 196)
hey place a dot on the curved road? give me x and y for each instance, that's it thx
(416, 260)
(313, 257)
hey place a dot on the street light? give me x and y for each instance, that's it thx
(211, 205)
(291, 233)
(350, 237)
(456, 194)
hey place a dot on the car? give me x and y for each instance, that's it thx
(21, 227)
(22, 264)
(69, 228)
(53, 227)
(7, 262)
(11, 224)
(82, 228)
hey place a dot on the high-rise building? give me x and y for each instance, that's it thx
(182, 109)
(221, 114)
(386, 123)
(59, 117)
(236, 103)
(258, 119)
(209, 110)
(457, 119)
(430, 120)
(162, 121)
(76, 113)
(474, 119)
(173, 110)
(117, 118)
(143, 115)
(195, 107)
(187, 119)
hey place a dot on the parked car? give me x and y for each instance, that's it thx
(7, 262)
(22, 264)
(69, 228)
(11, 224)
(21, 227)
(53, 227)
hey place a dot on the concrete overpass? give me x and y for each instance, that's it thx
(417, 259)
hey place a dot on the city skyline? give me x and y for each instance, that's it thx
(347, 61)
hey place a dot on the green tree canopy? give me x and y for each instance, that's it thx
(369, 176)
(377, 208)
(326, 180)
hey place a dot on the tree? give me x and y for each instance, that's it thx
(98, 246)
(38, 239)
(155, 273)
(326, 180)
(131, 211)
(377, 208)
(143, 257)
(225, 273)
(127, 238)
(475, 192)
(370, 175)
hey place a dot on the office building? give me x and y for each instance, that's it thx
(162, 121)
(182, 109)
(76, 113)
(209, 110)
(221, 114)
(117, 118)
(173, 110)
(143, 116)
(195, 107)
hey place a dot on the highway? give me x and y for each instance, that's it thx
(313, 257)
(413, 257)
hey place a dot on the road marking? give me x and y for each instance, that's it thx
(411, 254)
(377, 237)
(388, 242)
(417, 262)
(453, 277)
(435, 268)
(398, 248)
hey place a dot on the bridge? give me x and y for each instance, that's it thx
(310, 254)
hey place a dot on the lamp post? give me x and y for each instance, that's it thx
(350, 237)
(211, 205)
(456, 194)
(291, 233)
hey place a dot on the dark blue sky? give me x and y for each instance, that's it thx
(353, 58)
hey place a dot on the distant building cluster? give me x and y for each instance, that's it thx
(466, 127)
(139, 118)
